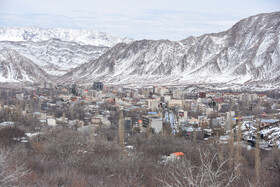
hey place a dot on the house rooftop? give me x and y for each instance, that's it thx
(178, 154)
(269, 120)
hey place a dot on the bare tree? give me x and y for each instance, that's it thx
(10, 172)
(257, 155)
(272, 165)
(231, 147)
(220, 149)
(63, 144)
(239, 148)
(149, 132)
(121, 130)
(211, 172)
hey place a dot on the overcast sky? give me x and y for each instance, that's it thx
(138, 19)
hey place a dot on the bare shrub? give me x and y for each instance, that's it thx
(63, 144)
(10, 172)
(10, 135)
(65, 177)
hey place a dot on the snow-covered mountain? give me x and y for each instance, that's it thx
(249, 52)
(57, 51)
(83, 37)
(17, 68)
(246, 53)
(54, 56)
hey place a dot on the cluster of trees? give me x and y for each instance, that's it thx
(65, 157)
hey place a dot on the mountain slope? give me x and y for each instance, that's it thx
(16, 68)
(83, 37)
(55, 56)
(246, 53)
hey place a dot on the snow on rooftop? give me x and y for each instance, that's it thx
(31, 135)
(269, 120)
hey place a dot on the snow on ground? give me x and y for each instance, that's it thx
(6, 124)
(271, 135)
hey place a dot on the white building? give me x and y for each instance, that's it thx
(178, 94)
(156, 125)
(51, 122)
(152, 104)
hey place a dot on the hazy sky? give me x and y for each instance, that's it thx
(138, 19)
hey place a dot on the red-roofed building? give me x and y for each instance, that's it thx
(218, 99)
(174, 156)
(178, 154)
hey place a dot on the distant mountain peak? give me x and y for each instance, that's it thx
(81, 36)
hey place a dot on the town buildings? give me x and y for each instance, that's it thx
(159, 108)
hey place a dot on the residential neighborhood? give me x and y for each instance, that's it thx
(165, 110)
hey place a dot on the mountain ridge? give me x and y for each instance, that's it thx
(247, 52)
(81, 36)
(54, 55)
(17, 68)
